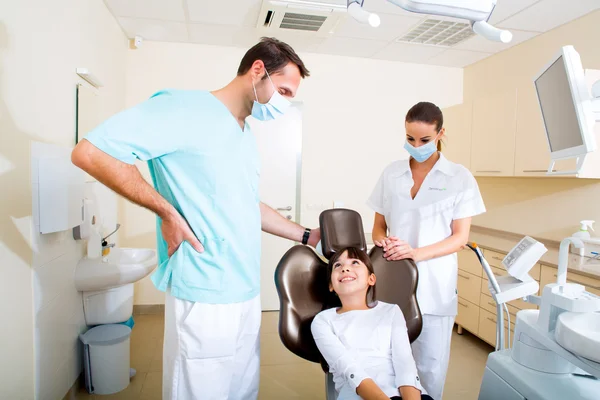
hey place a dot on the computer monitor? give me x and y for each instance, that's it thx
(566, 106)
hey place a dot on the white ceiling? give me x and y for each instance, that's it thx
(233, 23)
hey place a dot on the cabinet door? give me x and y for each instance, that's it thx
(532, 154)
(468, 261)
(457, 141)
(493, 138)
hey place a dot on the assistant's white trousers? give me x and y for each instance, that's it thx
(211, 351)
(431, 351)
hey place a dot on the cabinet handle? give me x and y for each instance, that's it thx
(491, 303)
(490, 172)
(492, 319)
(462, 304)
(496, 258)
(581, 283)
(537, 170)
(464, 276)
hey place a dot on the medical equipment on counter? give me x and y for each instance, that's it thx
(476, 11)
(556, 348)
(569, 112)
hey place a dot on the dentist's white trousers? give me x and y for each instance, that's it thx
(211, 351)
(431, 351)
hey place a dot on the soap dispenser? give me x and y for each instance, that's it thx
(94, 244)
(583, 234)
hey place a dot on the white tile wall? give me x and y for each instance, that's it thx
(58, 307)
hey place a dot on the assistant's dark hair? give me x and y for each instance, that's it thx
(428, 113)
(275, 54)
(356, 254)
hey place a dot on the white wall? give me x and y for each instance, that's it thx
(353, 121)
(41, 45)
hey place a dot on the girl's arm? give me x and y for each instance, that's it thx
(342, 362)
(396, 249)
(405, 368)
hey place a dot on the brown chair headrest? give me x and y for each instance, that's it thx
(341, 228)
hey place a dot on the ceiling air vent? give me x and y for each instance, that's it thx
(304, 17)
(437, 32)
(302, 22)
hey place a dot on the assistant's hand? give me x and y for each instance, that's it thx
(396, 249)
(315, 236)
(175, 230)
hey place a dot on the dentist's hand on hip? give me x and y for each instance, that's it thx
(176, 230)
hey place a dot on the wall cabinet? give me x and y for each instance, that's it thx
(457, 140)
(493, 134)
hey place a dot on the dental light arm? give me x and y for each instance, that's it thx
(361, 15)
(476, 11)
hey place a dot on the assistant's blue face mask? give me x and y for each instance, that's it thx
(421, 153)
(275, 107)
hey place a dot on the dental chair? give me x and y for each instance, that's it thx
(303, 286)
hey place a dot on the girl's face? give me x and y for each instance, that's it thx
(421, 133)
(350, 276)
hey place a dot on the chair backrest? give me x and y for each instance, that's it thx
(303, 285)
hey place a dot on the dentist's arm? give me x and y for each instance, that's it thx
(396, 249)
(274, 223)
(126, 180)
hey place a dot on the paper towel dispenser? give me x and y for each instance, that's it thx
(60, 188)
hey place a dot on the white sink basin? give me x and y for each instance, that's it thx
(123, 266)
(580, 334)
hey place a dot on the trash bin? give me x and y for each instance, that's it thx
(106, 358)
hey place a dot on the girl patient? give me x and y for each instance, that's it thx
(365, 343)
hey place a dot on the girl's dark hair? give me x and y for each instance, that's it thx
(356, 254)
(428, 113)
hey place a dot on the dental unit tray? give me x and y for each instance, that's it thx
(517, 285)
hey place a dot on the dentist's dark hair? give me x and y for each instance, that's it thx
(275, 54)
(428, 113)
(355, 254)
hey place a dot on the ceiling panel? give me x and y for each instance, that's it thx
(223, 35)
(153, 9)
(408, 52)
(155, 30)
(457, 58)
(351, 47)
(508, 8)
(479, 43)
(385, 7)
(548, 14)
(392, 26)
(225, 12)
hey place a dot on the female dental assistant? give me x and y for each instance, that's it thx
(426, 204)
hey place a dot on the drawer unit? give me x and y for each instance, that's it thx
(469, 286)
(468, 315)
(468, 262)
(549, 276)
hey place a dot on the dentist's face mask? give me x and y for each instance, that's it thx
(274, 108)
(421, 153)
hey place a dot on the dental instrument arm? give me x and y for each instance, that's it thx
(563, 258)
(397, 249)
(126, 180)
(276, 224)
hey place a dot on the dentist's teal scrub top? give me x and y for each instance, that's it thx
(208, 169)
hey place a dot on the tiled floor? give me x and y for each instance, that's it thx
(283, 375)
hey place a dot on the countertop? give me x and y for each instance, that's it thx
(504, 242)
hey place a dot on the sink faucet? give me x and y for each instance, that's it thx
(107, 246)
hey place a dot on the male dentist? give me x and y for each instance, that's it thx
(205, 168)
